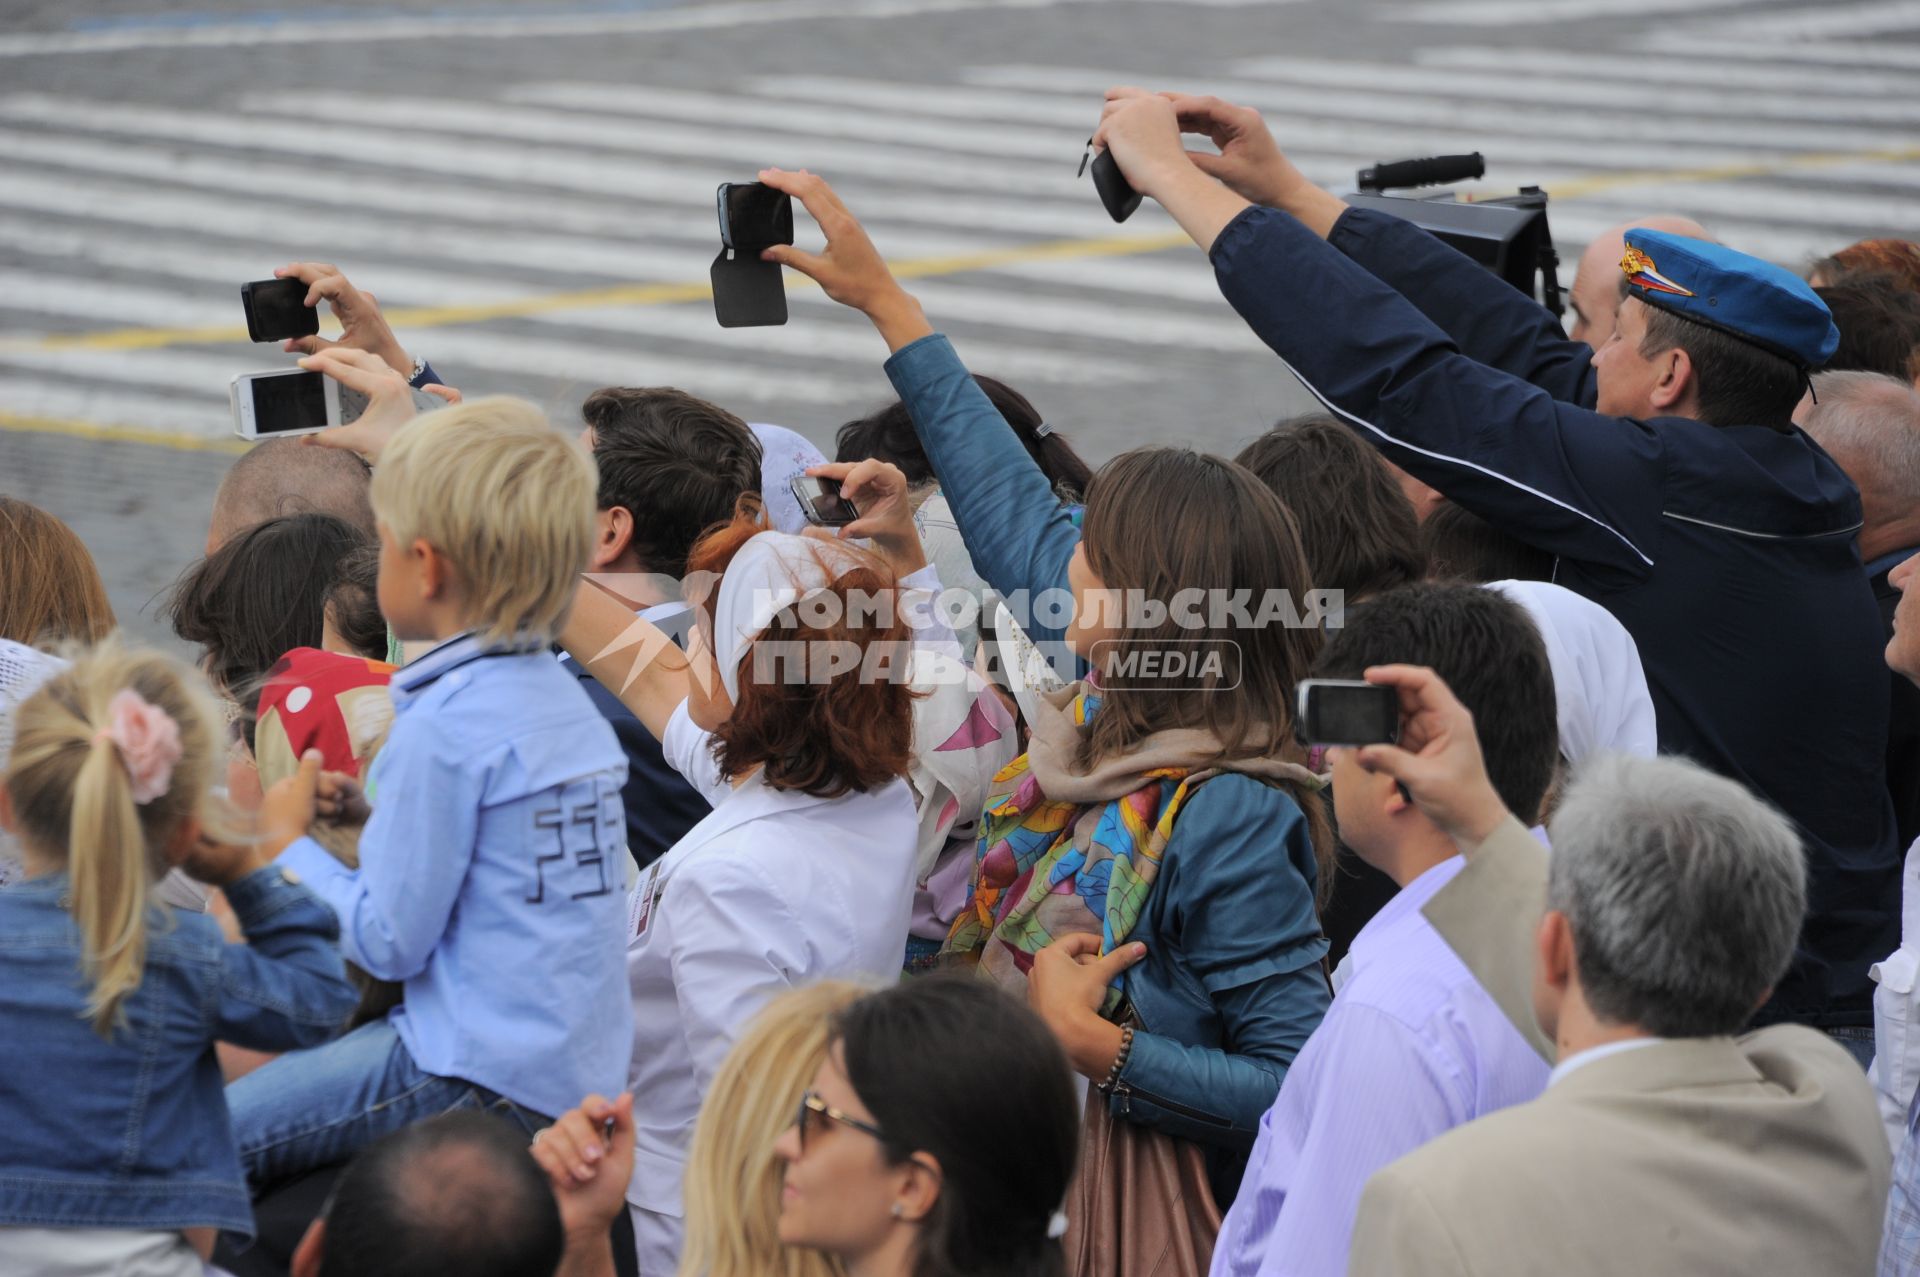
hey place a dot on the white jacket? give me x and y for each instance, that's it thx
(771, 891)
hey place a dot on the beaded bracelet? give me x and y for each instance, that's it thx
(1119, 1061)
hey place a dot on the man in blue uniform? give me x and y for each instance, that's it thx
(1663, 472)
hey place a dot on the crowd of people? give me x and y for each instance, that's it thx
(572, 855)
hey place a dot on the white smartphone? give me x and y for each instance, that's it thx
(285, 401)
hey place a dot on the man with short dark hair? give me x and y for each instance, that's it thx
(1411, 1047)
(1879, 323)
(671, 467)
(1663, 472)
(1666, 1140)
(456, 1195)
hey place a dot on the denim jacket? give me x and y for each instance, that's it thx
(1231, 984)
(131, 1131)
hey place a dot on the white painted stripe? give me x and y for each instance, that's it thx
(785, 116)
(480, 26)
(1464, 117)
(845, 338)
(1574, 226)
(1153, 323)
(1813, 23)
(1488, 13)
(550, 166)
(206, 416)
(1581, 73)
(1404, 127)
(331, 234)
(1843, 54)
(583, 367)
(1664, 95)
(715, 151)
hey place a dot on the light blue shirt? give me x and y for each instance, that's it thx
(1411, 1048)
(491, 877)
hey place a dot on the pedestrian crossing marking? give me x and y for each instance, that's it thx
(556, 227)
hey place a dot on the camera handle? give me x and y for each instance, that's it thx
(1436, 170)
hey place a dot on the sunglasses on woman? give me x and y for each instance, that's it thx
(812, 1107)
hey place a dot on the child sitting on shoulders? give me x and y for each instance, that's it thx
(490, 880)
(117, 1155)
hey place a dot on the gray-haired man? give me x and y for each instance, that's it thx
(1663, 1143)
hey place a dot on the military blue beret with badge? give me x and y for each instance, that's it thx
(1743, 296)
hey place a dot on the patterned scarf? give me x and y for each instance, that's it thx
(1064, 851)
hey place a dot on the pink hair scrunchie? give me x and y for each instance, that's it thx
(148, 740)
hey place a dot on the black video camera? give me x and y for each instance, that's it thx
(1507, 235)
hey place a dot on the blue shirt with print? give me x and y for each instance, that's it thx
(491, 877)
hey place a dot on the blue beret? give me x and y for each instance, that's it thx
(1738, 294)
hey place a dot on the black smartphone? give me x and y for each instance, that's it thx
(1116, 193)
(821, 502)
(753, 216)
(277, 309)
(1339, 711)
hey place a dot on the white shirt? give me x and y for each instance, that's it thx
(1896, 1027)
(773, 890)
(1581, 1059)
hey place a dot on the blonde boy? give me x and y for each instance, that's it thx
(490, 867)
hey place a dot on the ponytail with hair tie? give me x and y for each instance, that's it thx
(148, 741)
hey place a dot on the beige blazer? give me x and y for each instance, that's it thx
(1744, 1156)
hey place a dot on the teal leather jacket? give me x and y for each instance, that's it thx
(1231, 985)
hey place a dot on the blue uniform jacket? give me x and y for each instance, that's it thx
(1231, 985)
(1728, 553)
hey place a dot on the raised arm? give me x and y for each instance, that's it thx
(1496, 326)
(1567, 480)
(1017, 531)
(633, 659)
(1490, 911)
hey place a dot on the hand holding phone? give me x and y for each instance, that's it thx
(821, 502)
(748, 291)
(277, 309)
(362, 325)
(878, 494)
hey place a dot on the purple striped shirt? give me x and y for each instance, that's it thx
(1411, 1048)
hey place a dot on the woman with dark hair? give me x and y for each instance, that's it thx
(265, 593)
(1147, 871)
(892, 1166)
(887, 435)
(788, 713)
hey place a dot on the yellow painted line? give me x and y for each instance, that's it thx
(667, 294)
(18, 423)
(1582, 187)
(617, 295)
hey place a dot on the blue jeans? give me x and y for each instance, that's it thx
(318, 1107)
(1858, 1041)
